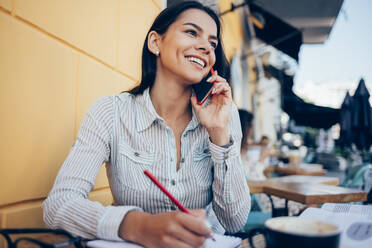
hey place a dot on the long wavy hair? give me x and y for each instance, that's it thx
(161, 25)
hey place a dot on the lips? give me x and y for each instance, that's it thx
(197, 60)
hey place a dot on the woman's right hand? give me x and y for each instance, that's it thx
(170, 229)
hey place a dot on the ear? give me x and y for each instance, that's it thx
(153, 42)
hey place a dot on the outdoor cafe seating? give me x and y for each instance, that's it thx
(304, 183)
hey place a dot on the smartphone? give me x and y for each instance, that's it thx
(203, 89)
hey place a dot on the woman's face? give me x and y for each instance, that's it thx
(187, 48)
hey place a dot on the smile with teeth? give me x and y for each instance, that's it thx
(196, 60)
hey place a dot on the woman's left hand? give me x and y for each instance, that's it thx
(215, 117)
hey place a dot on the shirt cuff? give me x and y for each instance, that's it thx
(222, 153)
(108, 225)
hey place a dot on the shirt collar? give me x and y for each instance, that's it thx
(146, 113)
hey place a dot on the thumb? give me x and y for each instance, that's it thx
(200, 213)
(194, 103)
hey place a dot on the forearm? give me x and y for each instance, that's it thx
(219, 136)
(131, 226)
(231, 198)
(73, 212)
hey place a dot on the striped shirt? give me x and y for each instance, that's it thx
(126, 132)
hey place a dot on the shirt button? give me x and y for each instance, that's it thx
(226, 156)
(136, 154)
(206, 151)
(182, 160)
(173, 208)
(171, 159)
(173, 182)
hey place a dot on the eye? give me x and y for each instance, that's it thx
(213, 44)
(191, 31)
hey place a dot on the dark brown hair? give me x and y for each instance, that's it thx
(161, 25)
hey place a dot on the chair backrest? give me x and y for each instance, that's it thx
(355, 177)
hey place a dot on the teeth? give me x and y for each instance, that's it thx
(196, 60)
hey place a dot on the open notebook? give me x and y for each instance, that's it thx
(221, 242)
(355, 222)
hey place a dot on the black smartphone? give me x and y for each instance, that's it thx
(203, 89)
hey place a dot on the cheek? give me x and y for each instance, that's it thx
(213, 59)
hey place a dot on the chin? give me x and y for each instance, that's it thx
(194, 80)
(194, 77)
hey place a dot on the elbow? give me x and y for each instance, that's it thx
(236, 223)
(50, 212)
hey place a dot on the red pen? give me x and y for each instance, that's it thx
(165, 191)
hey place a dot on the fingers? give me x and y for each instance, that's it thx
(196, 224)
(221, 88)
(194, 103)
(215, 78)
(199, 213)
(189, 229)
(220, 85)
(188, 237)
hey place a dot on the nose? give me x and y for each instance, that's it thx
(204, 46)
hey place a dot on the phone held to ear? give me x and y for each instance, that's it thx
(203, 89)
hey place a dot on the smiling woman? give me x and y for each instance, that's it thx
(193, 150)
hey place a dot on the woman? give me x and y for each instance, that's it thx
(193, 150)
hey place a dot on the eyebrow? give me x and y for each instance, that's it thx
(200, 29)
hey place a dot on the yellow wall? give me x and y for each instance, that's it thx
(232, 34)
(56, 58)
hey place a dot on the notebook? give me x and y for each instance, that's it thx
(222, 241)
(354, 221)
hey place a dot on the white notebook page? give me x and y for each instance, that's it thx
(222, 241)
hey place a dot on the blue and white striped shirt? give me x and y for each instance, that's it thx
(126, 132)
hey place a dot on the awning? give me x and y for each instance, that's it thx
(303, 113)
(277, 32)
(314, 18)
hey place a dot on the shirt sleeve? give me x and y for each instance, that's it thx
(67, 205)
(231, 198)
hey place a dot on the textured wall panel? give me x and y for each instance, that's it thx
(37, 98)
(136, 18)
(90, 25)
(6, 4)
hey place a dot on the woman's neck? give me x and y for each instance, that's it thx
(171, 99)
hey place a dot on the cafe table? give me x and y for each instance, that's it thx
(256, 187)
(301, 169)
(305, 190)
(314, 193)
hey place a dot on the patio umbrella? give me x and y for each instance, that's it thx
(346, 133)
(362, 118)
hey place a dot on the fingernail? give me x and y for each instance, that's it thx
(209, 79)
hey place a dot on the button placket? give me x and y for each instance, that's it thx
(226, 155)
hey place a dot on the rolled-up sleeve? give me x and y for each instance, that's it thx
(67, 205)
(231, 198)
